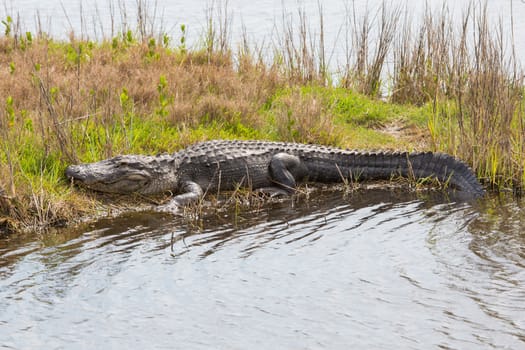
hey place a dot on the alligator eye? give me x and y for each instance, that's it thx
(136, 177)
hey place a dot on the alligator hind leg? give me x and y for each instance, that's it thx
(191, 193)
(285, 171)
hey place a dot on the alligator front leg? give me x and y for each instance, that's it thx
(191, 192)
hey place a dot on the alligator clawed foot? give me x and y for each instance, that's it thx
(272, 192)
(170, 207)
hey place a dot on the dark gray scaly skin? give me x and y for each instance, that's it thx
(213, 166)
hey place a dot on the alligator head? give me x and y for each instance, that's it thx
(126, 174)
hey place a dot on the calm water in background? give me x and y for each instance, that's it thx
(375, 269)
(262, 20)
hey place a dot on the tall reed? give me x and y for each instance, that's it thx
(365, 65)
(300, 52)
(474, 86)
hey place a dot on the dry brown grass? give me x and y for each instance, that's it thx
(305, 118)
(423, 62)
(198, 84)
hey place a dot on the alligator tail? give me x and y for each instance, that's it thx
(445, 168)
(420, 165)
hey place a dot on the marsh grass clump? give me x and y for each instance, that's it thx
(137, 90)
(465, 71)
(474, 87)
(300, 52)
(364, 69)
(304, 117)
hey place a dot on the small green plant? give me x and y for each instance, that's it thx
(123, 39)
(8, 23)
(26, 41)
(129, 39)
(152, 49)
(75, 54)
(166, 40)
(165, 99)
(182, 42)
(124, 99)
(127, 105)
(10, 111)
(54, 92)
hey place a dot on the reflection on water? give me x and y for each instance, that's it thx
(372, 269)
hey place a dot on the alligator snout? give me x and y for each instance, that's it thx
(74, 172)
(71, 172)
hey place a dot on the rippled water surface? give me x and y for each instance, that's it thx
(374, 269)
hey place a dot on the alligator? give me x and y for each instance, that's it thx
(270, 167)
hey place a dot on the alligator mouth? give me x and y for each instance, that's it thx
(111, 184)
(76, 175)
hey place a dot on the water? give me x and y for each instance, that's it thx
(263, 23)
(375, 269)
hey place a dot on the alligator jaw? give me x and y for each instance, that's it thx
(122, 174)
(78, 175)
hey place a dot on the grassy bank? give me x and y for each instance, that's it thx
(78, 100)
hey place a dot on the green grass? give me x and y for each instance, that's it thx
(341, 117)
(356, 120)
